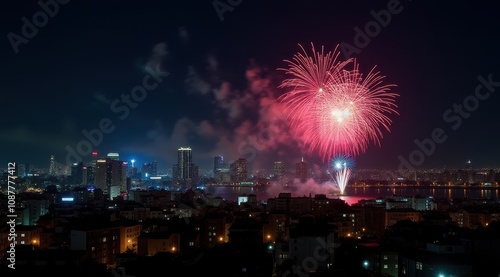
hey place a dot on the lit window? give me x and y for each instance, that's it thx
(386, 266)
(104, 239)
(23, 235)
(419, 265)
(385, 257)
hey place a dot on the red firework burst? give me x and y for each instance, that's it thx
(335, 109)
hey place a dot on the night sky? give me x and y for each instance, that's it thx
(209, 80)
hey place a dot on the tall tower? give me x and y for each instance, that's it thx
(218, 161)
(52, 167)
(470, 172)
(100, 175)
(91, 169)
(184, 161)
(77, 173)
(301, 170)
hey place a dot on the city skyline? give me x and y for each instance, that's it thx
(220, 164)
(145, 81)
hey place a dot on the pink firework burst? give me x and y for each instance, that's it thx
(335, 109)
(308, 76)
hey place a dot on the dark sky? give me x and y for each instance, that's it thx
(219, 95)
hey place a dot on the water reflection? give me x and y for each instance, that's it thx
(354, 194)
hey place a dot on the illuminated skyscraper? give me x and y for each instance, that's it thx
(301, 170)
(470, 172)
(279, 169)
(185, 171)
(114, 156)
(184, 161)
(95, 156)
(91, 169)
(218, 161)
(239, 171)
(111, 176)
(77, 172)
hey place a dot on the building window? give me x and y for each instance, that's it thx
(385, 257)
(386, 266)
(419, 265)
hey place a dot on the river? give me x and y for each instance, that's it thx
(354, 194)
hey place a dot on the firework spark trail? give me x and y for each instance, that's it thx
(343, 167)
(342, 178)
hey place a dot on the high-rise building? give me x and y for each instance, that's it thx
(301, 170)
(77, 173)
(218, 161)
(52, 167)
(91, 169)
(184, 161)
(185, 171)
(93, 162)
(470, 172)
(114, 156)
(101, 174)
(111, 176)
(239, 171)
(279, 169)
